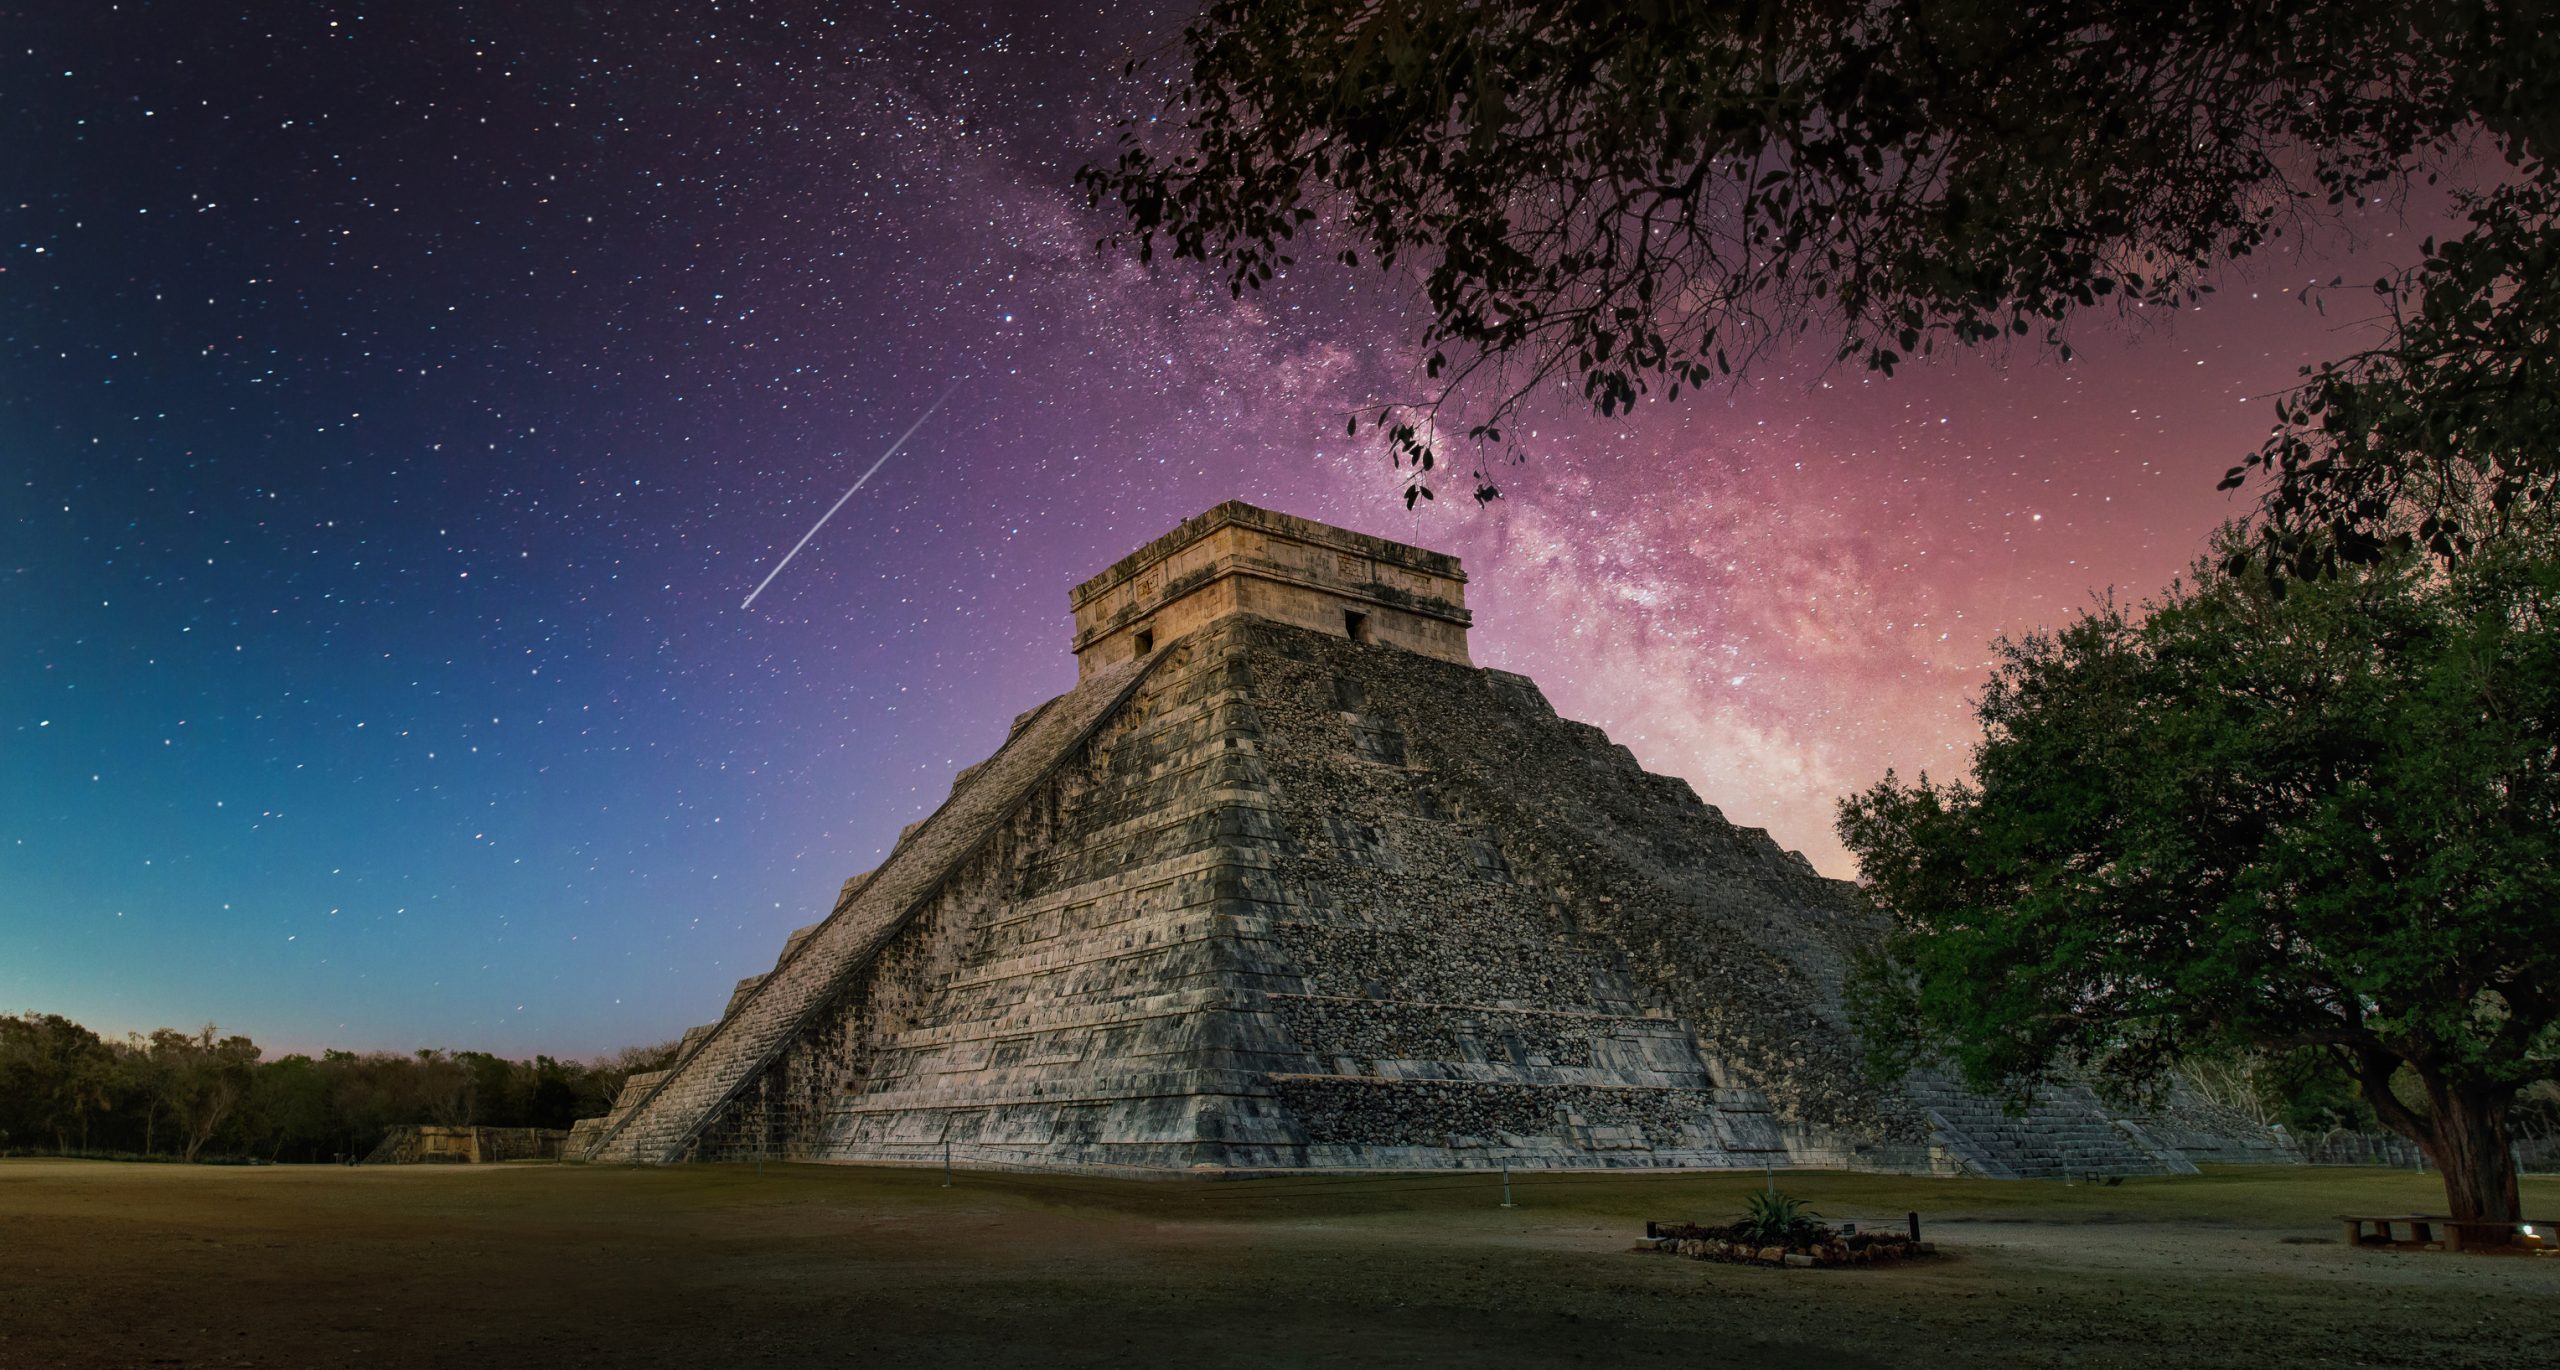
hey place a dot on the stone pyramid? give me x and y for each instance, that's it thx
(1286, 881)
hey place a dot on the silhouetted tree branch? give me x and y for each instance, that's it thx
(1640, 199)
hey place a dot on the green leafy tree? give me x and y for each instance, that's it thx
(2326, 819)
(438, 1090)
(2315, 1094)
(203, 1079)
(495, 1090)
(553, 1099)
(1638, 199)
(2448, 431)
(143, 1076)
(291, 1102)
(54, 1077)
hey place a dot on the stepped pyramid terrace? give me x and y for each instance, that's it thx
(1286, 881)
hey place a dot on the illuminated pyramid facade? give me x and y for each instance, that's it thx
(1285, 881)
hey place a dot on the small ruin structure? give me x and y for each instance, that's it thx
(435, 1144)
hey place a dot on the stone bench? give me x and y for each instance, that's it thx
(2424, 1228)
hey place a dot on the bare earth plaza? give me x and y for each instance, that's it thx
(807, 1265)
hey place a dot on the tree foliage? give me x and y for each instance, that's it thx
(2327, 819)
(54, 1076)
(199, 1079)
(65, 1089)
(1642, 198)
(2449, 431)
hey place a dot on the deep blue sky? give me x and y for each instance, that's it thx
(397, 402)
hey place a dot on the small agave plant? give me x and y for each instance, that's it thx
(1775, 1219)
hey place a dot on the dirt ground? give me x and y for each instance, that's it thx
(141, 1265)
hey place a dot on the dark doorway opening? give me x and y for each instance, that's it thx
(1355, 626)
(1145, 642)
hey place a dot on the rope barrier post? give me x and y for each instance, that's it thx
(1506, 1186)
(946, 1163)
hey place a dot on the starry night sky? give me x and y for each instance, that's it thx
(396, 404)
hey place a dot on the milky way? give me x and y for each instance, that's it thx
(398, 406)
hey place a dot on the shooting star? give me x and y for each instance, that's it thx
(750, 600)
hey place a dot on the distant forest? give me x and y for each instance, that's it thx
(207, 1095)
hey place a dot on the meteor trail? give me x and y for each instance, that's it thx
(750, 600)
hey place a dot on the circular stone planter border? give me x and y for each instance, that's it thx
(1855, 1249)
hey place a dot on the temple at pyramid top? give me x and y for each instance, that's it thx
(1239, 559)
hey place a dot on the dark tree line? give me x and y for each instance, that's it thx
(202, 1094)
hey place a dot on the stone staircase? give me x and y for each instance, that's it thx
(717, 1062)
(2065, 1133)
(1249, 903)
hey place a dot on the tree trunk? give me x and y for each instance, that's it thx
(2464, 1133)
(201, 1130)
(2472, 1148)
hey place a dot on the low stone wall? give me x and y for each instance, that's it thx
(1833, 1249)
(429, 1144)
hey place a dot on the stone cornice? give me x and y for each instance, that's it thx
(1289, 526)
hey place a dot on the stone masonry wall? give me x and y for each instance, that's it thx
(1095, 1019)
(731, 1056)
(1289, 900)
(1240, 929)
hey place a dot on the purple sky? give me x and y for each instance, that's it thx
(396, 410)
